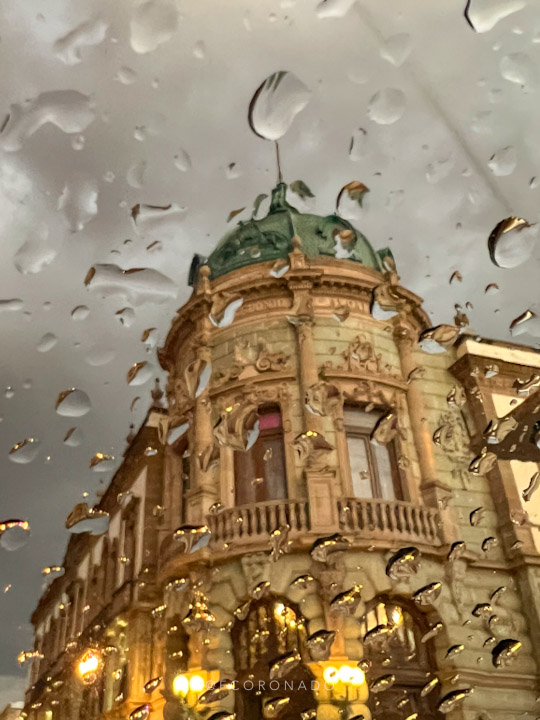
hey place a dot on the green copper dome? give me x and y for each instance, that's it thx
(270, 238)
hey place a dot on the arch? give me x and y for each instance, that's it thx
(272, 628)
(401, 653)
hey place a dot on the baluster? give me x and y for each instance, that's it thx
(365, 518)
(282, 515)
(353, 513)
(401, 519)
(262, 524)
(302, 516)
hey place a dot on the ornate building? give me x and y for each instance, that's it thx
(318, 514)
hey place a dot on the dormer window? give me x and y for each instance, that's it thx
(259, 472)
(374, 469)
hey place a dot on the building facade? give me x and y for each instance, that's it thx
(314, 515)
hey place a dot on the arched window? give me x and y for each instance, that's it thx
(399, 652)
(374, 469)
(259, 472)
(272, 629)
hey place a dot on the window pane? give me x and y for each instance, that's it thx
(358, 458)
(384, 467)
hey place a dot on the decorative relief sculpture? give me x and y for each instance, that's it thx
(455, 442)
(250, 359)
(322, 398)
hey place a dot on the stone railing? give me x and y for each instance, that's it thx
(390, 520)
(255, 522)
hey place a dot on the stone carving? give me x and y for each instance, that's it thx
(256, 569)
(322, 398)
(250, 359)
(236, 425)
(456, 445)
(370, 392)
(361, 356)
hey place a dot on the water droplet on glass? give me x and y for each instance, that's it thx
(135, 174)
(14, 534)
(140, 373)
(199, 50)
(11, 305)
(403, 563)
(453, 700)
(126, 75)
(25, 451)
(73, 403)
(78, 202)
(90, 32)
(334, 8)
(69, 110)
(428, 594)
(382, 683)
(101, 462)
(519, 68)
(126, 316)
(396, 49)
(386, 106)
(73, 437)
(182, 161)
(276, 103)
(153, 23)
(136, 286)
(503, 162)
(505, 652)
(36, 253)
(81, 312)
(483, 15)
(47, 342)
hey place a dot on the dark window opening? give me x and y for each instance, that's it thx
(259, 472)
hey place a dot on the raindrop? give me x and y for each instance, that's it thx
(319, 644)
(68, 110)
(503, 162)
(511, 242)
(25, 451)
(505, 652)
(193, 537)
(386, 106)
(135, 174)
(279, 268)
(47, 342)
(358, 146)
(396, 49)
(11, 305)
(276, 103)
(161, 222)
(140, 373)
(73, 403)
(152, 685)
(427, 594)
(274, 707)
(136, 286)
(126, 316)
(434, 340)
(78, 142)
(284, 665)
(334, 8)
(346, 602)
(519, 68)
(78, 202)
(73, 437)
(153, 23)
(88, 33)
(101, 462)
(182, 161)
(437, 171)
(142, 712)
(476, 516)
(403, 563)
(126, 76)
(9, 392)
(36, 253)
(432, 632)
(429, 686)
(453, 700)
(483, 15)
(382, 683)
(217, 692)
(14, 534)
(327, 548)
(457, 549)
(98, 356)
(81, 312)
(222, 314)
(532, 487)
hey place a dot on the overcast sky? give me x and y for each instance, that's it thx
(149, 102)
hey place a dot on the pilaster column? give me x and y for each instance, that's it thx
(431, 488)
(203, 492)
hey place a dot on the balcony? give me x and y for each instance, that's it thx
(247, 528)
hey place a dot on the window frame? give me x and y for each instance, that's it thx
(352, 430)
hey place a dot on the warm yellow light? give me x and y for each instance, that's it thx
(396, 616)
(180, 685)
(89, 663)
(357, 677)
(330, 675)
(196, 683)
(345, 674)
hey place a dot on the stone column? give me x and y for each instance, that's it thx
(431, 488)
(203, 493)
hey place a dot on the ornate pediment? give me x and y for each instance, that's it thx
(250, 359)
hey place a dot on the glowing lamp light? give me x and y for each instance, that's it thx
(88, 666)
(344, 674)
(180, 685)
(330, 675)
(357, 677)
(196, 683)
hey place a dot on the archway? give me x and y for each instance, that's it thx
(272, 629)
